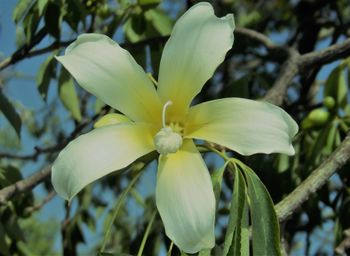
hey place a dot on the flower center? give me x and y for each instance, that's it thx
(168, 140)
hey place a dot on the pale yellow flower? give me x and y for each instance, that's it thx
(162, 119)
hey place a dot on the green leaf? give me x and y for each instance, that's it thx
(4, 248)
(10, 113)
(30, 23)
(245, 230)
(13, 229)
(336, 86)
(68, 96)
(135, 27)
(42, 6)
(160, 21)
(216, 179)
(9, 175)
(232, 244)
(238, 88)
(113, 254)
(75, 13)
(21, 9)
(281, 163)
(46, 72)
(324, 143)
(204, 252)
(53, 19)
(265, 226)
(148, 2)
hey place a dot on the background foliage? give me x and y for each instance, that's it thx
(269, 60)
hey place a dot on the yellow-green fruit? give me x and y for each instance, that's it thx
(318, 116)
(329, 102)
(307, 123)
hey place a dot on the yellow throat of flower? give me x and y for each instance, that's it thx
(166, 140)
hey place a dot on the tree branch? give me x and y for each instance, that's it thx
(316, 180)
(285, 77)
(259, 37)
(332, 53)
(24, 185)
(297, 63)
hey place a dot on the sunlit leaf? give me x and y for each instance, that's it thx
(232, 244)
(68, 95)
(46, 72)
(21, 9)
(265, 226)
(42, 6)
(160, 21)
(216, 178)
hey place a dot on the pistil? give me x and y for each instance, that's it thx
(166, 140)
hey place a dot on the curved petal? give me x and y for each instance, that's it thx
(197, 45)
(98, 153)
(185, 199)
(110, 73)
(111, 119)
(245, 126)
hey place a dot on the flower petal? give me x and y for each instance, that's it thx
(98, 153)
(197, 45)
(110, 73)
(185, 199)
(245, 126)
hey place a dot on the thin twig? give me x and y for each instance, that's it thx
(259, 37)
(31, 209)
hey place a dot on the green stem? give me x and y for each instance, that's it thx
(154, 81)
(170, 249)
(118, 207)
(145, 236)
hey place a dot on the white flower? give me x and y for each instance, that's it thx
(163, 120)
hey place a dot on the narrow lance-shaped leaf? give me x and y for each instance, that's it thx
(10, 113)
(160, 21)
(324, 142)
(265, 227)
(68, 94)
(238, 203)
(46, 72)
(245, 234)
(204, 252)
(216, 179)
(336, 86)
(53, 19)
(21, 9)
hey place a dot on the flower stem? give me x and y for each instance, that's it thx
(118, 207)
(170, 249)
(145, 236)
